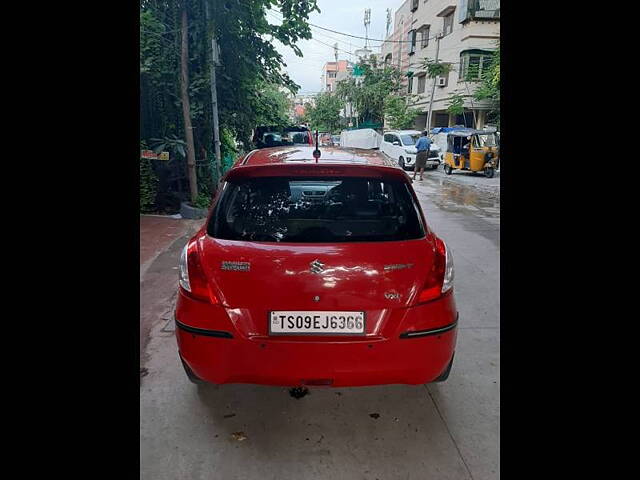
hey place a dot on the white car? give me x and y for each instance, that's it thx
(400, 146)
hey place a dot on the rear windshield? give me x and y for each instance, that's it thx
(308, 210)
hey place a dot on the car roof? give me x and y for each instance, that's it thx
(466, 133)
(405, 132)
(303, 154)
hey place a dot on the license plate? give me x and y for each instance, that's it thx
(316, 323)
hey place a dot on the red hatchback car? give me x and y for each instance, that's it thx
(316, 272)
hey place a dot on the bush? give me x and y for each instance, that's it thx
(148, 186)
(168, 202)
(203, 201)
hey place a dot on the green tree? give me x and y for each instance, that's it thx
(325, 115)
(436, 68)
(248, 55)
(368, 96)
(456, 104)
(271, 105)
(148, 183)
(399, 115)
(248, 61)
(489, 88)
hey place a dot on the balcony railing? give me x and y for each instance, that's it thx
(479, 10)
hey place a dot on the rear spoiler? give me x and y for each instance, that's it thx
(313, 169)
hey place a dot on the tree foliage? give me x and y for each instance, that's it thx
(272, 105)
(455, 105)
(148, 183)
(325, 115)
(399, 115)
(368, 96)
(249, 65)
(489, 88)
(436, 68)
(248, 56)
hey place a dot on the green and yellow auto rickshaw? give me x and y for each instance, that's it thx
(472, 150)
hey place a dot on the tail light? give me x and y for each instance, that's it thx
(440, 278)
(192, 278)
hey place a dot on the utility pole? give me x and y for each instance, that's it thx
(335, 51)
(215, 61)
(367, 21)
(433, 87)
(400, 45)
(388, 21)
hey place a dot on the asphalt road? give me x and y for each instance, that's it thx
(439, 431)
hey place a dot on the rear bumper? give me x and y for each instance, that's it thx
(412, 357)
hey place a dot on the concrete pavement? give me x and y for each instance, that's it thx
(159, 249)
(441, 431)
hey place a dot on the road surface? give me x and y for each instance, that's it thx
(440, 431)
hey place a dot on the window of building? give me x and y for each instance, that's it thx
(422, 82)
(332, 74)
(472, 64)
(411, 37)
(448, 24)
(440, 119)
(410, 85)
(414, 5)
(479, 10)
(424, 38)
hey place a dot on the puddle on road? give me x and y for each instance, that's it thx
(463, 199)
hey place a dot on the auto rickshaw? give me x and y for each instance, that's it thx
(472, 150)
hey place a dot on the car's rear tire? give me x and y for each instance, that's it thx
(433, 167)
(190, 375)
(444, 375)
(447, 169)
(401, 163)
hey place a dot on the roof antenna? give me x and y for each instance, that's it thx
(316, 152)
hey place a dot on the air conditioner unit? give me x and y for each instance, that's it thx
(441, 81)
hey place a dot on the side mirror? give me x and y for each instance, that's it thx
(396, 143)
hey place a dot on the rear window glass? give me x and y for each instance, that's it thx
(308, 210)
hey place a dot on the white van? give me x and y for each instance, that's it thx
(400, 146)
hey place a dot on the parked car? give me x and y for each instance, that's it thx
(400, 146)
(325, 139)
(336, 140)
(272, 136)
(316, 273)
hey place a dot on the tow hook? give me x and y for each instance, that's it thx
(298, 392)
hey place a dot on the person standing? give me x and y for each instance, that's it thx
(423, 145)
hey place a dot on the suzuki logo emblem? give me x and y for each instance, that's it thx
(316, 266)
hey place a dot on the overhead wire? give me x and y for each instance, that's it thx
(332, 46)
(317, 32)
(353, 36)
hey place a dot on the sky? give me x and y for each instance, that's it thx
(341, 15)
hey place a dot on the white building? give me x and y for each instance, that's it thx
(469, 31)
